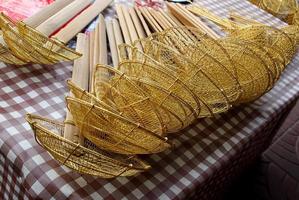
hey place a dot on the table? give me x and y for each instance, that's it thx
(277, 176)
(207, 157)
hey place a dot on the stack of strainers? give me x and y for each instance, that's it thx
(162, 84)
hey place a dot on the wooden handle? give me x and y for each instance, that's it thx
(137, 23)
(189, 19)
(80, 77)
(160, 19)
(177, 13)
(198, 21)
(81, 21)
(92, 63)
(47, 12)
(117, 34)
(96, 46)
(62, 17)
(174, 21)
(123, 24)
(103, 74)
(164, 17)
(100, 55)
(130, 25)
(144, 24)
(103, 56)
(112, 43)
(81, 70)
(155, 26)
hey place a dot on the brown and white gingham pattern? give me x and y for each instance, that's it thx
(208, 155)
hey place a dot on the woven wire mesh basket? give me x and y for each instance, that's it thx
(86, 159)
(163, 84)
(28, 45)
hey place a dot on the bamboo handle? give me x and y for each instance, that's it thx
(112, 43)
(196, 21)
(47, 12)
(96, 46)
(150, 15)
(81, 21)
(92, 64)
(123, 24)
(160, 19)
(150, 20)
(138, 26)
(62, 17)
(103, 74)
(94, 55)
(130, 25)
(103, 52)
(118, 36)
(144, 24)
(168, 19)
(176, 12)
(99, 53)
(81, 69)
(174, 21)
(79, 77)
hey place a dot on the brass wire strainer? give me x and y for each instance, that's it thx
(86, 159)
(162, 84)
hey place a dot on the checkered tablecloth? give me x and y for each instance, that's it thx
(208, 155)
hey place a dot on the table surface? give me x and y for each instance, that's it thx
(201, 150)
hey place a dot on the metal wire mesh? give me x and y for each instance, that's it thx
(283, 9)
(167, 81)
(113, 132)
(88, 159)
(6, 55)
(26, 45)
